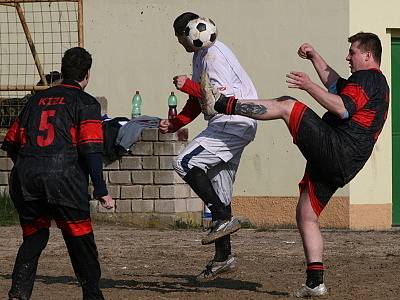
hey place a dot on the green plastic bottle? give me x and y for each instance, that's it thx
(172, 103)
(136, 105)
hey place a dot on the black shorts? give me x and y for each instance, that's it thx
(55, 180)
(316, 141)
(35, 215)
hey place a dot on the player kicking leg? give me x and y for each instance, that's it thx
(336, 146)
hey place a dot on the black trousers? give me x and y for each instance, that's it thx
(77, 232)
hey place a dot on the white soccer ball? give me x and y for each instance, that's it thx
(201, 33)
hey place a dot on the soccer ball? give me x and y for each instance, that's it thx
(201, 33)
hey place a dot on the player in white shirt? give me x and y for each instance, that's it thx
(210, 162)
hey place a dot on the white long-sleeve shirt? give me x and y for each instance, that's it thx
(226, 73)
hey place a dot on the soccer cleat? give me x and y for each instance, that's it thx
(306, 291)
(220, 228)
(209, 95)
(213, 268)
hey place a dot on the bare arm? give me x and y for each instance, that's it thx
(327, 75)
(331, 102)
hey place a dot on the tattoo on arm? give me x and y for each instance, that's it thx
(250, 109)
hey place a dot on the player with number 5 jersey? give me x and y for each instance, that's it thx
(55, 143)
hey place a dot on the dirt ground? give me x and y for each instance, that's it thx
(155, 264)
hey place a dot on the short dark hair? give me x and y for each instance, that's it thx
(181, 22)
(368, 42)
(75, 64)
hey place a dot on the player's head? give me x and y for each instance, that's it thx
(76, 64)
(365, 51)
(180, 24)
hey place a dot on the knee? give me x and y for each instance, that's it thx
(287, 103)
(303, 219)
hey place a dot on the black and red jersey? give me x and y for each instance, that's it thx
(365, 95)
(60, 120)
(51, 142)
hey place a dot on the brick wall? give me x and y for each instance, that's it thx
(146, 190)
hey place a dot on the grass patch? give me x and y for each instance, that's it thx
(8, 214)
(248, 225)
(183, 224)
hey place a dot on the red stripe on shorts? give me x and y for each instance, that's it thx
(31, 228)
(295, 117)
(315, 203)
(75, 228)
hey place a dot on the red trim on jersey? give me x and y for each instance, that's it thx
(90, 131)
(192, 88)
(356, 94)
(29, 229)
(71, 86)
(74, 133)
(364, 117)
(75, 228)
(295, 117)
(315, 203)
(13, 134)
(189, 112)
(22, 136)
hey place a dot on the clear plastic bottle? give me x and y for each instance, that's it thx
(207, 217)
(172, 103)
(136, 105)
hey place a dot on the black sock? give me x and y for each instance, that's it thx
(223, 245)
(225, 105)
(222, 248)
(315, 274)
(201, 185)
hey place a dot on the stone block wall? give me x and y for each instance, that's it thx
(146, 190)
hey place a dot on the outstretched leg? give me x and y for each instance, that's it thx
(266, 109)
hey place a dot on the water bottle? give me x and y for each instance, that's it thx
(172, 102)
(136, 105)
(207, 217)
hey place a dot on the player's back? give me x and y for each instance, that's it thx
(50, 124)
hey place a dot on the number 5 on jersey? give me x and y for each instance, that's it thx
(46, 129)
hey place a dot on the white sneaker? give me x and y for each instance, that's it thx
(214, 268)
(220, 228)
(209, 95)
(306, 291)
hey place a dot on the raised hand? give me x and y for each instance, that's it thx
(306, 51)
(179, 81)
(298, 80)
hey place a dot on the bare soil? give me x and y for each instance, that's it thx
(155, 264)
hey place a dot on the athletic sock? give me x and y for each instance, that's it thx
(201, 185)
(222, 248)
(315, 274)
(225, 105)
(223, 245)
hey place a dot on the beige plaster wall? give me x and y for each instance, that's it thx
(134, 48)
(374, 184)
